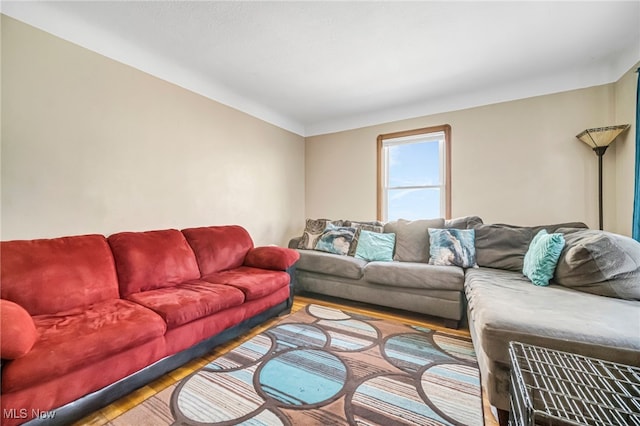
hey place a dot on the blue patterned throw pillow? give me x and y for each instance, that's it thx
(374, 246)
(336, 239)
(542, 257)
(452, 247)
(312, 231)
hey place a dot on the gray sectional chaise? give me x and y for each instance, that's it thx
(592, 306)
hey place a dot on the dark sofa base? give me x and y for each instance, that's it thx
(79, 408)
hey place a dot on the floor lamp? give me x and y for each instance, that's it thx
(599, 140)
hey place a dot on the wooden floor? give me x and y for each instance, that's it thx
(126, 403)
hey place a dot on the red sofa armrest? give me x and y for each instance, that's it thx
(271, 257)
(18, 332)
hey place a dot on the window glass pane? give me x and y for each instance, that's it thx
(413, 204)
(414, 164)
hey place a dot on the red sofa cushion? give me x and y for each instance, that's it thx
(190, 301)
(65, 388)
(55, 275)
(218, 248)
(17, 330)
(271, 257)
(191, 333)
(80, 337)
(153, 259)
(254, 283)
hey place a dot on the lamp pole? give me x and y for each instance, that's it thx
(599, 150)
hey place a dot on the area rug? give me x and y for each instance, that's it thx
(323, 366)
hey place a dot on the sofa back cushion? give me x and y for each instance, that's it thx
(504, 246)
(153, 259)
(218, 248)
(55, 275)
(465, 222)
(412, 238)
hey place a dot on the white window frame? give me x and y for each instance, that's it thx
(430, 134)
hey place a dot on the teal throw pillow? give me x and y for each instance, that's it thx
(542, 257)
(374, 246)
(336, 239)
(366, 226)
(452, 247)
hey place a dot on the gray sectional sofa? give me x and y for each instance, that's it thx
(592, 306)
(427, 289)
(408, 283)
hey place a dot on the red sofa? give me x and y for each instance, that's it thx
(87, 319)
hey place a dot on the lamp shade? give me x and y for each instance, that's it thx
(601, 136)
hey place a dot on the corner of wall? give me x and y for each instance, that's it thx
(625, 152)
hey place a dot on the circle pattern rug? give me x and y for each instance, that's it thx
(323, 366)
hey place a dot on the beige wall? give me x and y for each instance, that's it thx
(90, 145)
(515, 162)
(625, 144)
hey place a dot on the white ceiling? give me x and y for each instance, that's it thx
(319, 67)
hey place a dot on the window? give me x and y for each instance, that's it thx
(414, 174)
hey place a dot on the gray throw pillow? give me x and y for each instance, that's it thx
(412, 238)
(503, 246)
(313, 230)
(600, 262)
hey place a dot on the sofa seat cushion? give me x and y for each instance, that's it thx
(189, 301)
(79, 337)
(415, 275)
(504, 306)
(331, 264)
(254, 283)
